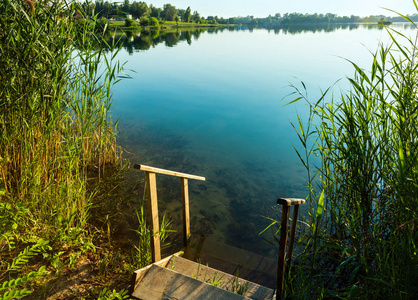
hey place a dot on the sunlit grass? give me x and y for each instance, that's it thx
(55, 127)
(359, 239)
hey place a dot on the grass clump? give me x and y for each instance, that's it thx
(55, 123)
(55, 133)
(360, 241)
(142, 251)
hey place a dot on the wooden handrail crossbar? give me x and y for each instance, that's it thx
(168, 172)
(153, 205)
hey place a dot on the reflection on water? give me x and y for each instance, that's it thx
(147, 39)
(207, 102)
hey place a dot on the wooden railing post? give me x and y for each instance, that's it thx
(153, 216)
(186, 210)
(286, 203)
(292, 233)
(282, 251)
(153, 205)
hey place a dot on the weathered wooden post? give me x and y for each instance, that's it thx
(153, 205)
(186, 210)
(153, 216)
(286, 203)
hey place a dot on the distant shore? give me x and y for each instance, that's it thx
(166, 25)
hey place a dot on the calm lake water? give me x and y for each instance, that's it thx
(210, 103)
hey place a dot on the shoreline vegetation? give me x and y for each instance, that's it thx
(120, 28)
(57, 150)
(63, 187)
(139, 16)
(149, 15)
(359, 240)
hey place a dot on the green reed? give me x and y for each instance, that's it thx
(55, 100)
(361, 240)
(142, 252)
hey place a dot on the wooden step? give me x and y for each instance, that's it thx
(220, 279)
(250, 266)
(162, 283)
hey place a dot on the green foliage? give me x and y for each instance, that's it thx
(187, 15)
(155, 11)
(169, 12)
(128, 22)
(145, 21)
(106, 294)
(361, 239)
(55, 132)
(216, 280)
(142, 255)
(154, 21)
(139, 9)
(102, 25)
(237, 287)
(14, 283)
(55, 123)
(195, 17)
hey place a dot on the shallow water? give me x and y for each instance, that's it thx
(210, 104)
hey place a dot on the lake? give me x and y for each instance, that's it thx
(209, 103)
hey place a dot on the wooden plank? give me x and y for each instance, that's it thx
(139, 274)
(224, 280)
(282, 251)
(167, 172)
(153, 216)
(162, 283)
(290, 201)
(186, 210)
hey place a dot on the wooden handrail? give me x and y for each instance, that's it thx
(290, 201)
(286, 204)
(168, 172)
(150, 173)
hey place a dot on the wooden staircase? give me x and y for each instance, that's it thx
(178, 278)
(250, 266)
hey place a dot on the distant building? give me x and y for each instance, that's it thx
(116, 18)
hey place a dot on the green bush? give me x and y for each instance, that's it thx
(128, 22)
(145, 21)
(154, 21)
(14, 283)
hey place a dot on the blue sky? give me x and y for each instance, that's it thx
(262, 8)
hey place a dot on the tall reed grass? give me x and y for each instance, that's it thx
(360, 239)
(55, 127)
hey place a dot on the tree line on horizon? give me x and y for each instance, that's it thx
(143, 12)
(151, 38)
